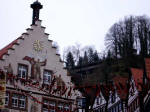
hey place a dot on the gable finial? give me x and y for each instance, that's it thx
(36, 6)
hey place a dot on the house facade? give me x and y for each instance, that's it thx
(99, 103)
(126, 96)
(114, 103)
(36, 80)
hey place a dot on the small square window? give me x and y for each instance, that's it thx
(66, 107)
(47, 77)
(46, 102)
(60, 106)
(52, 103)
(79, 102)
(49, 106)
(45, 110)
(52, 110)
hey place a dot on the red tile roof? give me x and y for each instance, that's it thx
(6, 48)
(121, 86)
(138, 77)
(105, 89)
(147, 64)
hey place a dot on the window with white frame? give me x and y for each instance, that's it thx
(22, 71)
(45, 105)
(60, 106)
(7, 99)
(66, 107)
(45, 110)
(79, 102)
(49, 106)
(22, 101)
(14, 100)
(52, 110)
(46, 102)
(47, 77)
(52, 105)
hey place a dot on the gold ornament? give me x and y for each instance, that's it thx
(38, 46)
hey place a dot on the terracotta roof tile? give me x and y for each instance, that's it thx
(147, 64)
(105, 89)
(121, 86)
(6, 48)
(138, 77)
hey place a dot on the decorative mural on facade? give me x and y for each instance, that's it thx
(35, 67)
(2, 89)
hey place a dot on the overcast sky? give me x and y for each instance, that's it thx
(68, 21)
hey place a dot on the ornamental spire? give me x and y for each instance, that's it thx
(36, 6)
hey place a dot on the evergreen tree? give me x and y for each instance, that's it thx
(95, 57)
(90, 55)
(70, 61)
(80, 62)
(85, 58)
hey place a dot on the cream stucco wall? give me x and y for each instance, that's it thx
(25, 48)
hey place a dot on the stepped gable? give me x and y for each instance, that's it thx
(15, 52)
(121, 86)
(5, 50)
(138, 77)
(21, 47)
(35, 71)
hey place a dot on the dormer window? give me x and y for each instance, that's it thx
(22, 71)
(47, 77)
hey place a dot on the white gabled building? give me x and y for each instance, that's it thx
(118, 96)
(114, 103)
(135, 87)
(36, 78)
(99, 103)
